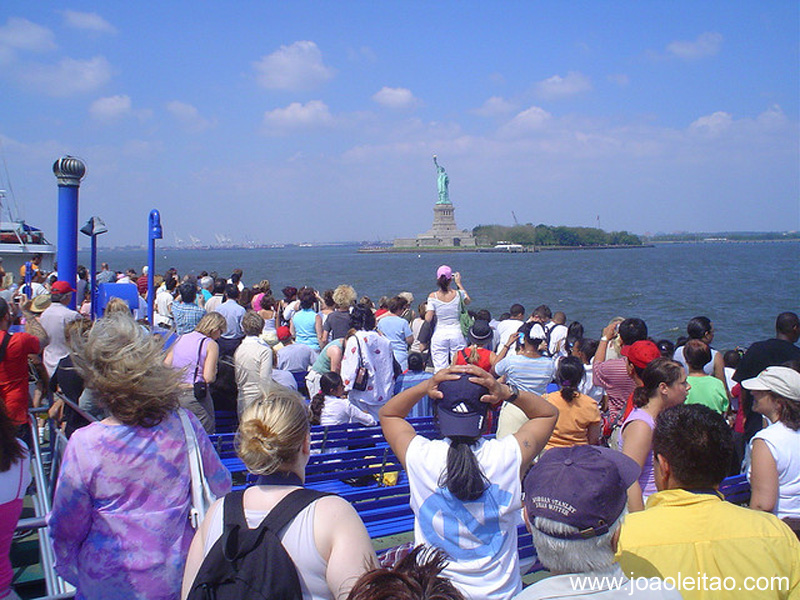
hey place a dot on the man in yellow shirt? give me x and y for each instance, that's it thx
(690, 537)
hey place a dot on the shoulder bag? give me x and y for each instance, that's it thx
(200, 387)
(464, 319)
(362, 375)
(202, 496)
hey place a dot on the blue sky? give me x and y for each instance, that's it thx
(316, 121)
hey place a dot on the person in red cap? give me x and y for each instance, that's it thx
(663, 384)
(54, 319)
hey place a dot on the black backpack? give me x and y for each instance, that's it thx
(252, 563)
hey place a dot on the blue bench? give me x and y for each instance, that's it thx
(736, 489)
(333, 438)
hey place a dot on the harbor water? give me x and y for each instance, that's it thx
(741, 287)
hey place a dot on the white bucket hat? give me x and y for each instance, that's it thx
(783, 381)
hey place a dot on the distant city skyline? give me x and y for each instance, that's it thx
(317, 122)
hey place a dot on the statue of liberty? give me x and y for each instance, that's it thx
(443, 181)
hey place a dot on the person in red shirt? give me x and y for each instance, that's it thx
(14, 351)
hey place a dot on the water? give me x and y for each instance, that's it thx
(740, 287)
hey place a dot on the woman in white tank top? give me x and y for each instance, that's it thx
(774, 471)
(327, 541)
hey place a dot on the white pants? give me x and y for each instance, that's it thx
(444, 344)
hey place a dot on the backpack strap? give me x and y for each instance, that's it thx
(288, 508)
(240, 540)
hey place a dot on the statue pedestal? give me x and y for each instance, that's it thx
(443, 233)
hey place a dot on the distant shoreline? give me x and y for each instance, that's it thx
(721, 241)
(489, 249)
(650, 244)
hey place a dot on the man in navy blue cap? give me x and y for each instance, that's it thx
(574, 505)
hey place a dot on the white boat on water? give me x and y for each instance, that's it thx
(19, 242)
(503, 246)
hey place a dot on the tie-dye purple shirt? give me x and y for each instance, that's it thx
(120, 524)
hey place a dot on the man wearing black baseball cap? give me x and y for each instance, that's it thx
(574, 505)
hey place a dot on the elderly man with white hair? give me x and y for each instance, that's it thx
(574, 506)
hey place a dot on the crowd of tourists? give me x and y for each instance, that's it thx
(611, 448)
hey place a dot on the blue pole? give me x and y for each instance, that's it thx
(154, 232)
(93, 276)
(69, 171)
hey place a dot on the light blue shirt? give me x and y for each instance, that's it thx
(529, 374)
(396, 330)
(233, 313)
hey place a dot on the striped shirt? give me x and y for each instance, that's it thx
(613, 376)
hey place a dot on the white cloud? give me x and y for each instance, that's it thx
(362, 54)
(530, 119)
(312, 114)
(395, 97)
(111, 108)
(494, 106)
(620, 79)
(713, 124)
(706, 44)
(114, 108)
(87, 21)
(21, 34)
(295, 67)
(561, 87)
(773, 117)
(188, 116)
(69, 76)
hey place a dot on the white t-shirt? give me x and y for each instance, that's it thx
(480, 537)
(587, 384)
(504, 330)
(784, 445)
(708, 369)
(337, 411)
(558, 339)
(447, 313)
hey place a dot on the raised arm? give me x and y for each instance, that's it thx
(318, 330)
(399, 432)
(542, 416)
(609, 333)
(457, 279)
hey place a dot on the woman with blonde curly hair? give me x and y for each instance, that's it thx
(120, 519)
(326, 540)
(337, 324)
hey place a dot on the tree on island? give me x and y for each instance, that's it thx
(546, 235)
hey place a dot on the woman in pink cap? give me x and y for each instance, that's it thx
(445, 303)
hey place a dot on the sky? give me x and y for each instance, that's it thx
(280, 122)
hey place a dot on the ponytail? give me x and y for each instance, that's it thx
(463, 476)
(315, 408)
(328, 384)
(569, 374)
